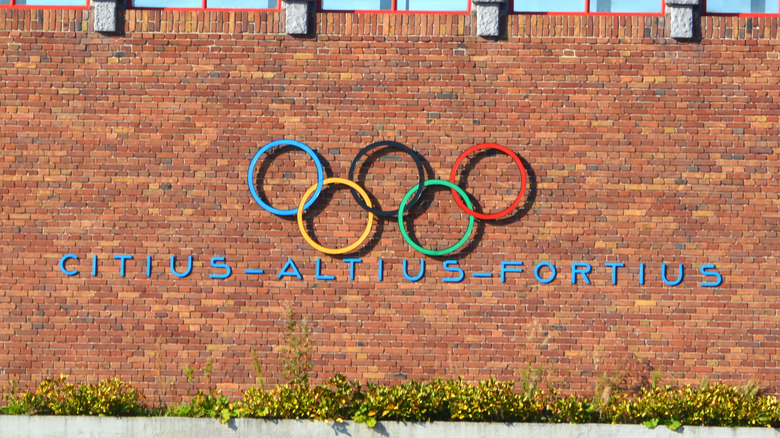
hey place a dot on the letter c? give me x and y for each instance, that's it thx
(64, 259)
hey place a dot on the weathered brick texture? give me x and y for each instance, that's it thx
(640, 150)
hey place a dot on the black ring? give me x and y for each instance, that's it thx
(401, 147)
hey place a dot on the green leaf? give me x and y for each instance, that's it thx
(650, 424)
(225, 415)
(674, 425)
(371, 422)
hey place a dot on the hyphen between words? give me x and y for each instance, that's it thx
(543, 272)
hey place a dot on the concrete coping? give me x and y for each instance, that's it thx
(23, 426)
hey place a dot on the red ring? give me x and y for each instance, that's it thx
(523, 178)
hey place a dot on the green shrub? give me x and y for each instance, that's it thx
(57, 397)
(571, 409)
(440, 400)
(333, 401)
(211, 405)
(708, 405)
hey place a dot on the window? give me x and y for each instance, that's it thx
(207, 4)
(44, 4)
(396, 5)
(591, 6)
(742, 6)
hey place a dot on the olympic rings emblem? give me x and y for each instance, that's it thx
(409, 200)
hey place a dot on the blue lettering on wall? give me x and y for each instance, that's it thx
(318, 272)
(122, 259)
(218, 262)
(706, 270)
(614, 267)
(544, 272)
(419, 276)
(289, 270)
(680, 275)
(582, 269)
(505, 267)
(181, 274)
(539, 267)
(352, 263)
(452, 266)
(63, 260)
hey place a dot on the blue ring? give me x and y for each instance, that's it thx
(251, 173)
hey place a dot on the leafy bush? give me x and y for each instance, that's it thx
(334, 401)
(440, 400)
(571, 409)
(57, 397)
(211, 405)
(456, 400)
(708, 405)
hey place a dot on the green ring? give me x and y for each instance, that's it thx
(431, 252)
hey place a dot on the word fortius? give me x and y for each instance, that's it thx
(544, 272)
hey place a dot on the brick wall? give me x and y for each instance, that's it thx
(640, 150)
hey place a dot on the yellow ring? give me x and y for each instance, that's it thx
(311, 241)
